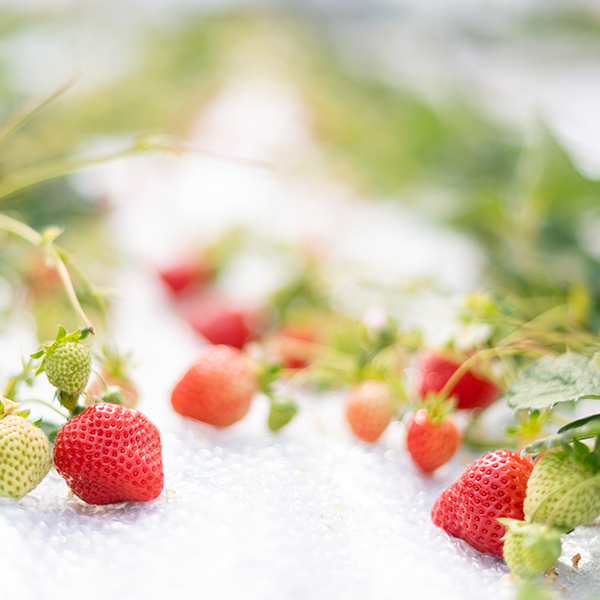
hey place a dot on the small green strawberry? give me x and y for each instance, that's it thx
(530, 548)
(24, 454)
(564, 489)
(67, 362)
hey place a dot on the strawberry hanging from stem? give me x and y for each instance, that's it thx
(68, 365)
(432, 438)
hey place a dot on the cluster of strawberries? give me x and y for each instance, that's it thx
(504, 504)
(106, 452)
(507, 506)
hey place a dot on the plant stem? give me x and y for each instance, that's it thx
(30, 176)
(20, 118)
(11, 386)
(65, 278)
(33, 237)
(47, 404)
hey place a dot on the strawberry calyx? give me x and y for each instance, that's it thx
(435, 408)
(114, 363)
(283, 407)
(8, 407)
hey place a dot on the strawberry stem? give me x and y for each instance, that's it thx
(49, 405)
(47, 241)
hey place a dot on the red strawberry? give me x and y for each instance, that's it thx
(218, 388)
(369, 409)
(431, 442)
(493, 486)
(219, 321)
(473, 390)
(184, 276)
(110, 453)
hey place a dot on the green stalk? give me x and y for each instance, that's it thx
(33, 237)
(30, 176)
(19, 119)
(47, 404)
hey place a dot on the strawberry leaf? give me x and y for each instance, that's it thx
(281, 413)
(550, 380)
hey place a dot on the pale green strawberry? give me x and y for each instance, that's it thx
(529, 548)
(560, 481)
(68, 367)
(24, 456)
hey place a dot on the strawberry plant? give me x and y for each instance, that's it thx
(83, 443)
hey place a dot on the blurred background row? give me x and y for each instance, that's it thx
(446, 145)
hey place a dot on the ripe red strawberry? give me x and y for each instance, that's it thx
(369, 409)
(218, 388)
(110, 453)
(184, 276)
(219, 321)
(473, 390)
(492, 487)
(431, 442)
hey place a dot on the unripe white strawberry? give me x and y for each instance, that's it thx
(68, 367)
(529, 548)
(24, 456)
(561, 488)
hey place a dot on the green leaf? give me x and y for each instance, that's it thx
(550, 380)
(579, 423)
(38, 354)
(281, 413)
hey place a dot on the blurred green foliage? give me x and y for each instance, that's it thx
(522, 199)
